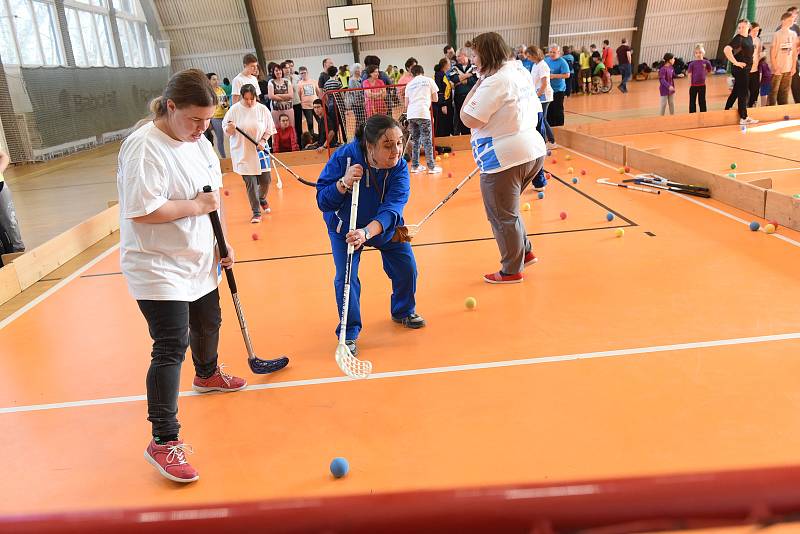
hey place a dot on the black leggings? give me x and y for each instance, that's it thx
(739, 91)
(697, 95)
(174, 326)
(754, 84)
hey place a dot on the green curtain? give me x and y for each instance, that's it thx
(751, 10)
(452, 23)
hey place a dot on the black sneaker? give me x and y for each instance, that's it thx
(411, 321)
(351, 345)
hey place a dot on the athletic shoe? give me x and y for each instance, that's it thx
(498, 278)
(530, 259)
(417, 169)
(169, 459)
(748, 120)
(256, 219)
(413, 321)
(264, 205)
(551, 146)
(435, 170)
(219, 381)
(351, 345)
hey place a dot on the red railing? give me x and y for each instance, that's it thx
(651, 503)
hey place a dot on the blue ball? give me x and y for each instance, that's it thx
(575, 180)
(339, 467)
(609, 216)
(540, 195)
(754, 226)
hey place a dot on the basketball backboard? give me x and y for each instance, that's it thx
(350, 21)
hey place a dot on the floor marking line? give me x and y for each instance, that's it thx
(768, 170)
(432, 370)
(17, 314)
(776, 235)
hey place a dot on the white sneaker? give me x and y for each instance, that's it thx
(748, 120)
(418, 169)
(435, 170)
(551, 146)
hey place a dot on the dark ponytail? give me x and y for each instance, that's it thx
(370, 131)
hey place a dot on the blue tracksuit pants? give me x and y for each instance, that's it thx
(399, 265)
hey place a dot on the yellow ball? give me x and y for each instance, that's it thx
(470, 303)
(570, 171)
(621, 170)
(567, 157)
(438, 158)
(445, 155)
(769, 228)
(619, 232)
(526, 206)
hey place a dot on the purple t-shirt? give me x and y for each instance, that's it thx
(666, 77)
(699, 69)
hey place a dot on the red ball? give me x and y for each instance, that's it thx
(548, 176)
(775, 224)
(563, 215)
(449, 174)
(255, 237)
(227, 193)
(627, 169)
(583, 172)
(452, 154)
(554, 161)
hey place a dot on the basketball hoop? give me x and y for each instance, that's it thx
(351, 32)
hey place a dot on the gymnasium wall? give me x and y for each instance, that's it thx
(676, 26)
(65, 108)
(768, 15)
(585, 22)
(212, 36)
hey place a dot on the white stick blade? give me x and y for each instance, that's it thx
(350, 365)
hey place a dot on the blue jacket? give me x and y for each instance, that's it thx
(383, 194)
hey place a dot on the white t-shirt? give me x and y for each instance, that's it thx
(174, 260)
(241, 80)
(506, 102)
(785, 40)
(295, 79)
(257, 122)
(419, 92)
(540, 71)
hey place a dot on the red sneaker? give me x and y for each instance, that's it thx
(219, 381)
(497, 278)
(170, 460)
(530, 259)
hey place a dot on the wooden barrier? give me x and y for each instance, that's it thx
(35, 264)
(595, 146)
(783, 209)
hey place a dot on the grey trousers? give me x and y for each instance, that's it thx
(501, 192)
(9, 227)
(257, 188)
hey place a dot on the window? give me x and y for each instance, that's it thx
(26, 32)
(106, 39)
(90, 41)
(8, 46)
(48, 34)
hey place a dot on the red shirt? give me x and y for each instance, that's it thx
(285, 140)
(608, 57)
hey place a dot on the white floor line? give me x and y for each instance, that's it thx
(432, 370)
(768, 170)
(17, 314)
(692, 200)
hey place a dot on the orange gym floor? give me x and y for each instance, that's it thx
(672, 349)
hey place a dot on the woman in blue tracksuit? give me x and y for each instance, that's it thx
(375, 161)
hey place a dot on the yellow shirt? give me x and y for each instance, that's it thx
(584, 61)
(223, 105)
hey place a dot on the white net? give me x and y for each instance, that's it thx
(352, 107)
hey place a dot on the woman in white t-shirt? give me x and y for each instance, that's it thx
(280, 92)
(540, 73)
(255, 120)
(167, 254)
(502, 110)
(420, 92)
